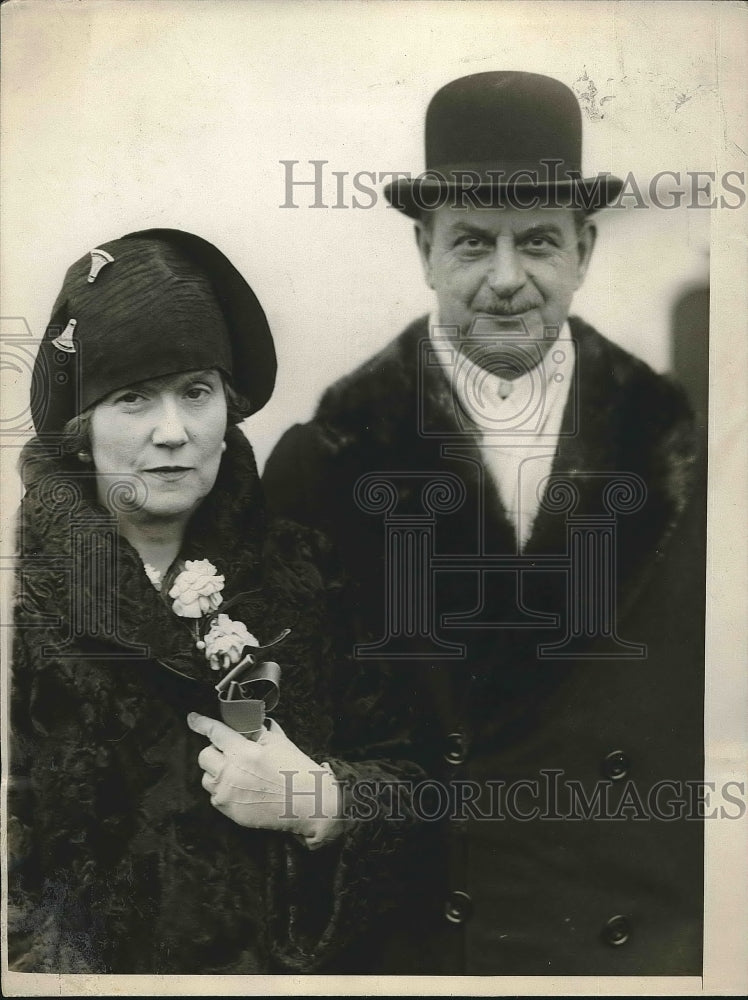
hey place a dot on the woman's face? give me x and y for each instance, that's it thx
(156, 445)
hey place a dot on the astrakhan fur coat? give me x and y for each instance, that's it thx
(119, 863)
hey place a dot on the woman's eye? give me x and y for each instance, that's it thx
(198, 391)
(130, 398)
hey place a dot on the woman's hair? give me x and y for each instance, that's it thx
(76, 434)
(238, 407)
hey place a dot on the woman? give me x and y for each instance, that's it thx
(146, 572)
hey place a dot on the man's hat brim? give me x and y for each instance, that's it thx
(433, 190)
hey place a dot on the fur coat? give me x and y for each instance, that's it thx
(119, 864)
(481, 704)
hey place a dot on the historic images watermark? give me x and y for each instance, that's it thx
(413, 503)
(550, 797)
(91, 554)
(92, 545)
(313, 184)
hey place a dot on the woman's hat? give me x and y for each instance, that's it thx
(500, 134)
(152, 303)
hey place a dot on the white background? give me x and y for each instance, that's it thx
(124, 117)
(118, 117)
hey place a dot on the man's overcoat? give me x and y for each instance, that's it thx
(554, 694)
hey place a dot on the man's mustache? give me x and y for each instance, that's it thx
(514, 307)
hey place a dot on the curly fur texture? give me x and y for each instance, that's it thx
(121, 864)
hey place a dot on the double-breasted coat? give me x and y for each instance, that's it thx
(552, 695)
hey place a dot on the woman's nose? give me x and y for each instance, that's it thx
(170, 430)
(506, 274)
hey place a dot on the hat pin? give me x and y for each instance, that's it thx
(99, 259)
(65, 341)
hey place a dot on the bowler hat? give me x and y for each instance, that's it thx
(151, 303)
(510, 138)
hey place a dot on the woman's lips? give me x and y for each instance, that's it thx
(169, 473)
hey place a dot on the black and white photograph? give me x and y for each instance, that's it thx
(373, 462)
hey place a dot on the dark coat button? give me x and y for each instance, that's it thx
(617, 930)
(616, 765)
(458, 907)
(456, 749)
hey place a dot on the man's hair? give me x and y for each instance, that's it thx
(76, 434)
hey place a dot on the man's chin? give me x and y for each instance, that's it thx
(527, 324)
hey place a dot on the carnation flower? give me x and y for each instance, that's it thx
(197, 589)
(224, 642)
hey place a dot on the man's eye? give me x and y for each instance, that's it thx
(540, 243)
(470, 243)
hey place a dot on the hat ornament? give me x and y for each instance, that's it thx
(65, 341)
(129, 327)
(99, 259)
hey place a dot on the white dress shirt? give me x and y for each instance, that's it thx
(519, 420)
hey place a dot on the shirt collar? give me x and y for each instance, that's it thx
(534, 394)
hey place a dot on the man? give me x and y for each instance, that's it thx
(515, 504)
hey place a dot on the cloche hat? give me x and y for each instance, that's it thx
(151, 303)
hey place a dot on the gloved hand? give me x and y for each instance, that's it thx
(269, 784)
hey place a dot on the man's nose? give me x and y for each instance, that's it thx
(170, 429)
(506, 274)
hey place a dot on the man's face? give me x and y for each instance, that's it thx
(504, 266)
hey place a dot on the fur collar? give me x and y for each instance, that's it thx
(620, 417)
(65, 528)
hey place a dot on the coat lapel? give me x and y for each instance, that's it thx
(622, 423)
(455, 448)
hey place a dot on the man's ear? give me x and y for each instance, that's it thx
(585, 245)
(423, 239)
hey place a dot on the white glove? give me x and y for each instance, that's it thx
(269, 784)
